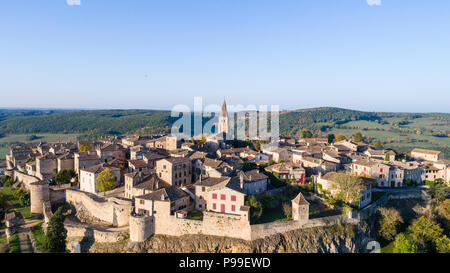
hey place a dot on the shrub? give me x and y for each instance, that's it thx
(255, 208)
(287, 209)
(23, 197)
(64, 176)
(6, 181)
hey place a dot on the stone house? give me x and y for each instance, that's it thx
(201, 188)
(226, 197)
(89, 175)
(385, 174)
(168, 143)
(142, 183)
(215, 168)
(427, 155)
(46, 165)
(85, 160)
(111, 150)
(288, 171)
(138, 165)
(176, 171)
(326, 181)
(254, 181)
(65, 162)
(174, 197)
(279, 154)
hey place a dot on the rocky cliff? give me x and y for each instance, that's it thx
(333, 239)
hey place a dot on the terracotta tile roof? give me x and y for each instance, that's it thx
(423, 151)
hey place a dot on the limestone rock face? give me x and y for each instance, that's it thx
(335, 239)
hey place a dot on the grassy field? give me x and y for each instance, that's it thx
(13, 203)
(402, 141)
(14, 244)
(39, 236)
(195, 215)
(3, 243)
(22, 138)
(3, 152)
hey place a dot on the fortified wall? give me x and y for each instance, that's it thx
(112, 210)
(26, 179)
(213, 223)
(78, 230)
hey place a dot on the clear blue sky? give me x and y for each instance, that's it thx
(295, 53)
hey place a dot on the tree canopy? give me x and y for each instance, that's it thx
(64, 176)
(340, 137)
(349, 187)
(390, 219)
(105, 180)
(56, 233)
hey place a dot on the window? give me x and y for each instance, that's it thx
(214, 205)
(214, 196)
(141, 202)
(203, 188)
(222, 208)
(222, 197)
(233, 198)
(233, 208)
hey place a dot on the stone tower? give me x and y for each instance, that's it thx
(300, 209)
(223, 119)
(39, 193)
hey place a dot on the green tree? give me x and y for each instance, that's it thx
(305, 133)
(331, 138)
(438, 194)
(105, 180)
(358, 137)
(386, 157)
(349, 188)
(378, 145)
(255, 208)
(388, 223)
(404, 244)
(55, 241)
(84, 147)
(23, 197)
(443, 244)
(287, 210)
(64, 176)
(340, 137)
(424, 232)
(268, 201)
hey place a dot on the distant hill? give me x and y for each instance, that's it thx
(321, 118)
(397, 130)
(128, 121)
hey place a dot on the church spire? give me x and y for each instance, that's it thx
(223, 119)
(224, 108)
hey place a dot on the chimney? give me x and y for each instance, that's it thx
(241, 180)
